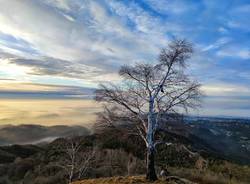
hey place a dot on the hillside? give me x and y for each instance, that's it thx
(229, 138)
(9, 153)
(226, 138)
(120, 154)
(34, 134)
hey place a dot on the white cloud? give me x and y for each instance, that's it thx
(13, 71)
(82, 33)
(171, 6)
(219, 43)
(223, 30)
(48, 31)
(225, 89)
(243, 53)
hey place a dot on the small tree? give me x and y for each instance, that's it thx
(148, 94)
(75, 160)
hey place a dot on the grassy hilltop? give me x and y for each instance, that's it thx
(179, 176)
(125, 180)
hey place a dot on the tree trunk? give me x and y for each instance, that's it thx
(71, 176)
(151, 175)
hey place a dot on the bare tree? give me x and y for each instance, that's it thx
(75, 160)
(148, 94)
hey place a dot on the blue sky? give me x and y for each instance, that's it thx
(80, 43)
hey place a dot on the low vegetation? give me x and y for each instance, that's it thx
(126, 180)
(191, 175)
(211, 177)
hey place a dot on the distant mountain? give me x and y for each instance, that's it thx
(34, 134)
(222, 137)
(230, 138)
(217, 119)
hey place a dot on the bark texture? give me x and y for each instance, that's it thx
(151, 174)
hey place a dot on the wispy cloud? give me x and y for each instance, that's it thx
(219, 43)
(172, 6)
(235, 52)
(19, 90)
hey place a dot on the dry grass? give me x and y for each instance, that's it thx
(121, 180)
(215, 176)
(207, 177)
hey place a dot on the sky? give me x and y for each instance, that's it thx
(56, 51)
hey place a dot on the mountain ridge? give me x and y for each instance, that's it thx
(34, 134)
